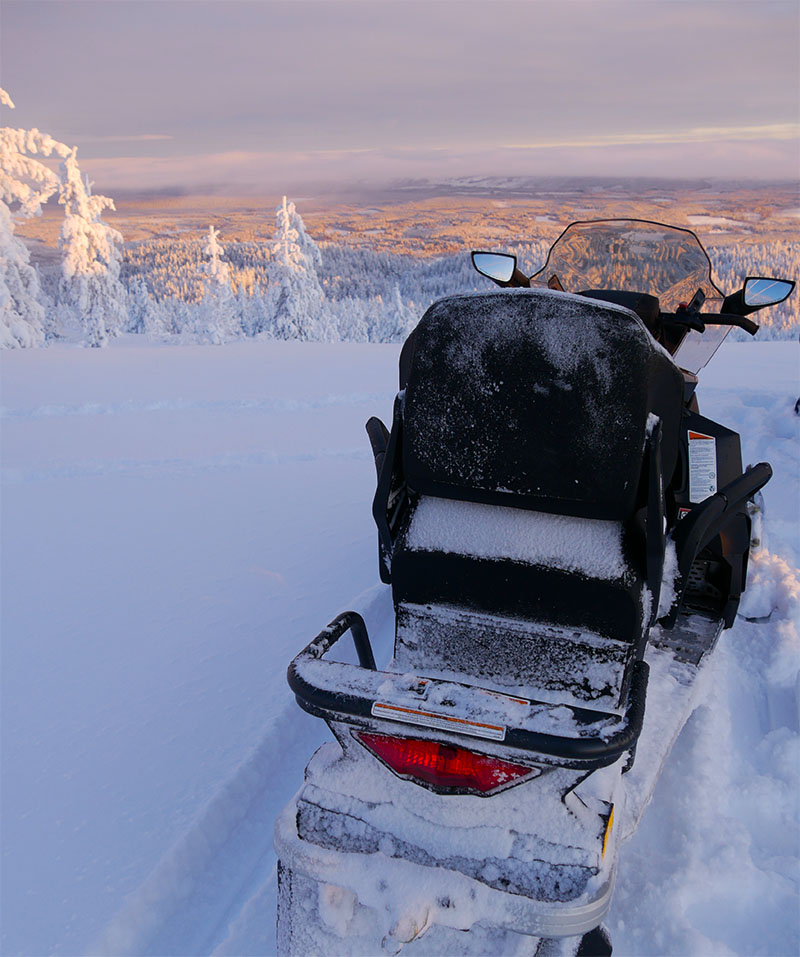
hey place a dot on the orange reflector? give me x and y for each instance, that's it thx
(444, 766)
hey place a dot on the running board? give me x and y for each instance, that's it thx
(694, 635)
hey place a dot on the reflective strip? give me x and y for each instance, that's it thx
(427, 719)
(609, 825)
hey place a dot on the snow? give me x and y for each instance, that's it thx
(669, 575)
(589, 546)
(177, 522)
(432, 637)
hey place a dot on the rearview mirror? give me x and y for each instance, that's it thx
(763, 291)
(497, 266)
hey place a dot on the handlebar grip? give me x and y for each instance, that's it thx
(730, 319)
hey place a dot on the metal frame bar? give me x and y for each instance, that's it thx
(363, 682)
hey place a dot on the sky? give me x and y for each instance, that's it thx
(264, 96)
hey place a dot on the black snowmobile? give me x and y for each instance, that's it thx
(565, 536)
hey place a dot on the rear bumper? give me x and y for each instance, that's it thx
(456, 900)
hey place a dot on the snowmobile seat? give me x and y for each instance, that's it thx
(524, 449)
(522, 600)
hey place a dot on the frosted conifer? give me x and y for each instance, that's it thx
(214, 267)
(91, 253)
(217, 320)
(25, 185)
(143, 313)
(300, 311)
(401, 319)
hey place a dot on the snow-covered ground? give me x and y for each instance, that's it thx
(176, 523)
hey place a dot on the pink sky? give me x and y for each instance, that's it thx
(268, 96)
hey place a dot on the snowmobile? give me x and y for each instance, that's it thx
(565, 537)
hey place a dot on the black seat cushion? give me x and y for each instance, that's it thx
(570, 572)
(538, 400)
(530, 593)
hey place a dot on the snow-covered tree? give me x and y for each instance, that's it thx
(217, 271)
(25, 185)
(91, 253)
(143, 313)
(22, 314)
(289, 220)
(400, 318)
(351, 318)
(255, 309)
(218, 320)
(300, 311)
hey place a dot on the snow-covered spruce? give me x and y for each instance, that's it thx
(217, 321)
(91, 302)
(25, 184)
(299, 301)
(92, 295)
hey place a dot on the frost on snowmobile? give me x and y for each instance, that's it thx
(546, 477)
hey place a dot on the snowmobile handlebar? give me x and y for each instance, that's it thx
(729, 319)
(337, 691)
(699, 320)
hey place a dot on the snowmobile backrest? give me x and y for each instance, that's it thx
(536, 399)
(644, 305)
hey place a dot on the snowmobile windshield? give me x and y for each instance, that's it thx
(635, 255)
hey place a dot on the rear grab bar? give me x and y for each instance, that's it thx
(337, 691)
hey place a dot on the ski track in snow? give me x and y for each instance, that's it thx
(228, 461)
(137, 407)
(186, 904)
(197, 897)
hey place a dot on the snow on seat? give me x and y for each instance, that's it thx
(566, 571)
(535, 660)
(590, 547)
(490, 591)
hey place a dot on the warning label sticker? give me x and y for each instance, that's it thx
(702, 466)
(427, 719)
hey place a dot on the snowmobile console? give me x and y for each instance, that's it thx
(645, 306)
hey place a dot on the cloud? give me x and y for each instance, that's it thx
(122, 138)
(700, 134)
(309, 76)
(760, 153)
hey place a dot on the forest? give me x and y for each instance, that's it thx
(204, 289)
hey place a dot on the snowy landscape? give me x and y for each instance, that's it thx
(186, 494)
(178, 521)
(67, 275)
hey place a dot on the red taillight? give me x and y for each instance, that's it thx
(443, 766)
